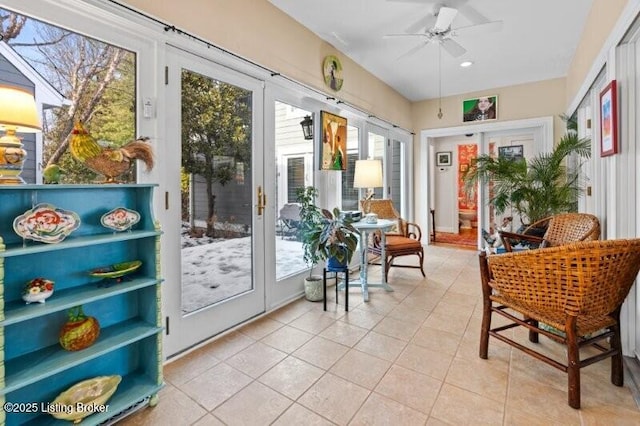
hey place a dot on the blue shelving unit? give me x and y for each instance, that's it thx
(34, 367)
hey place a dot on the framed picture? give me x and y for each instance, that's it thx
(333, 142)
(480, 109)
(513, 152)
(609, 120)
(464, 168)
(443, 158)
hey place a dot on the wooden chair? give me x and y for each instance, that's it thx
(560, 229)
(402, 240)
(577, 289)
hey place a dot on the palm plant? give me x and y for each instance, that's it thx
(536, 189)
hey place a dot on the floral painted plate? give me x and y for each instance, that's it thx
(116, 270)
(120, 219)
(46, 223)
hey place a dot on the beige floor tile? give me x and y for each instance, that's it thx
(228, 345)
(444, 322)
(256, 404)
(174, 408)
(409, 315)
(528, 395)
(290, 312)
(260, 328)
(343, 333)
(396, 328)
(382, 346)
(609, 415)
(334, 398)
(256, 359)
(216, 385)
(425, 361)
(409, 388)
(436, 340)
(361, 368)
(209, 420)
(296, 414)
(378, 410)
(287, 339)
(291, 377)
(321, 352)
(458, 406)
(185, 368)
(476, 376)
(362, 318)
(518, 418)
(313, 321)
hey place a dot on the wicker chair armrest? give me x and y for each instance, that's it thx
(413, 231)
(506, 238)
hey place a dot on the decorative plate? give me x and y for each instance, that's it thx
(83, 398)
(116, 270)
(332, 72)
(120, 219)
(46, 223)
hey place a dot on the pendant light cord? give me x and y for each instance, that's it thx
(440, 80)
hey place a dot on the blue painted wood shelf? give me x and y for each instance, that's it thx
(36, 368)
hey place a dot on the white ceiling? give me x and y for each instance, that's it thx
(536, 42)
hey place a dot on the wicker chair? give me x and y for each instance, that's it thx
(402, 240)
(560, 229)
(577, 289)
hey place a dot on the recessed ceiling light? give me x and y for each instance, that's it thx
(466, 64)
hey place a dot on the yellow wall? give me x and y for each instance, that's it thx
(600, 22)
(532, 100)
(257, 30)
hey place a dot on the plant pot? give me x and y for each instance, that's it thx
(333, 264)
(313, 288)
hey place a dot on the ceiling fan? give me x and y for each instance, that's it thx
(441, 31)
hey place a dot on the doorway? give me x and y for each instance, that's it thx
(215, 237)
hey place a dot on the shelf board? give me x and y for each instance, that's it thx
(30, 368)
(18, 311)
(33, 247)
(133, 388)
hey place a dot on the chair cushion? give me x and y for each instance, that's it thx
(401, 243)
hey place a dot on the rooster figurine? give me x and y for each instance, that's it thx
(110, 162)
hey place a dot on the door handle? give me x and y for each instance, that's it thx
(262, 201)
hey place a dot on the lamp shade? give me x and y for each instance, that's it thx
(18, 110)
(368, 174)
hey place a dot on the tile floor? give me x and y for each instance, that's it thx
(409, 357)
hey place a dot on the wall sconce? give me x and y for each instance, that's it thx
(18, 113)
(307, 127)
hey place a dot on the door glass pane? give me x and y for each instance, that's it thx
(294, 159)
(376, 152)
(349, 193)
(396, 175)
(216, 187)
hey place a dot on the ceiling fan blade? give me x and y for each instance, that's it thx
(412, 50)
(424, 23)
(472, 14)
(406, 35)
(452, 47)
(487, 27)
(445, 18)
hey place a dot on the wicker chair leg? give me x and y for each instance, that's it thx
(421, 256)
(573, 364)
(484, 330)
(617, 371)
(533, 335)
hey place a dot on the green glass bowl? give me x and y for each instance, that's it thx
(116, 270)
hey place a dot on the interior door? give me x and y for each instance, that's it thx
(213, 248)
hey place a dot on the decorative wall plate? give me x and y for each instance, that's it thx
(116, 270)
(46, 223)
(332, 72)
(120, 219)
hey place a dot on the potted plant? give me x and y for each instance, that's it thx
(324, 236)
(537, 188)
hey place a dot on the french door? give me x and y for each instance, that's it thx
(213, 244)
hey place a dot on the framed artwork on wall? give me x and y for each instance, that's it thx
(513, 152)
(609, 120)
(480, 109)
(443, 158)
(333, 142)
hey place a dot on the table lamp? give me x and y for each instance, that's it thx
(368, 174)
(18, 113)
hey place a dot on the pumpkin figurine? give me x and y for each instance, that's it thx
(80, 331)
